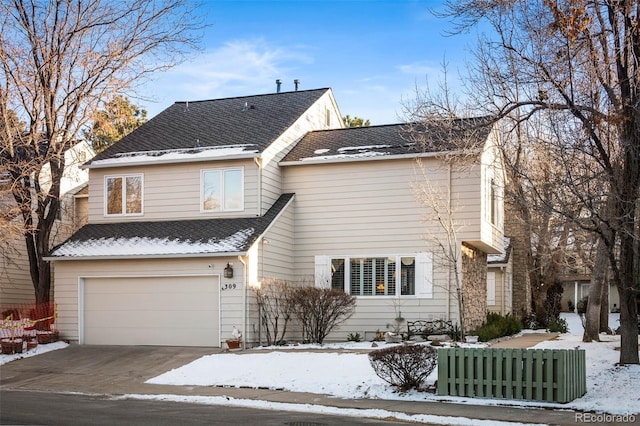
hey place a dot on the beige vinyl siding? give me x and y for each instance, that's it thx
(15, 280)
(277, 248)
(368, 208)
(313, 119)
(233, 292)
(69, 273)
(171, 192)
(503, 289)
(492, 170)
(81, 211)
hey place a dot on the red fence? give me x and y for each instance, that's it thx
(20, 318)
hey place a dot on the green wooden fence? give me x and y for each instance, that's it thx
(557, 375)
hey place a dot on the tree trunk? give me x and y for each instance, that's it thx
(594, 306)
(604, 307)
(628, 327)
(628, 289)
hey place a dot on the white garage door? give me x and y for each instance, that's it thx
(171, 311)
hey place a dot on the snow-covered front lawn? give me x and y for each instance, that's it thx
(610, 389)
(343, 374)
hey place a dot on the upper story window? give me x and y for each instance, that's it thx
(123, 195)
(222, 190)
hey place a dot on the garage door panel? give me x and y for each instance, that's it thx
(178, 311)
(145, 319)
(153, 337)
(172, 302)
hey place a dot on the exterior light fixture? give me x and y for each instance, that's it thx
(228, 271)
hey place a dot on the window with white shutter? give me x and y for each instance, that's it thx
(491, 288)
(424, 275)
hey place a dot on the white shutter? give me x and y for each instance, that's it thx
(491, 288)
(323, 272)
(424, 275)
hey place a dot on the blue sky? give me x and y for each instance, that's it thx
(372, 54)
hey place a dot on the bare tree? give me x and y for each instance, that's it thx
(577, 62)
(434, 127)
(440, 213)
(275, 308)
(58, 60)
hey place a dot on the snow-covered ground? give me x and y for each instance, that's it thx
(610, 389)
(39, 350)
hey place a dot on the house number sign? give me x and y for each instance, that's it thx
(229, 286)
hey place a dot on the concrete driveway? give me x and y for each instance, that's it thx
(97, 369)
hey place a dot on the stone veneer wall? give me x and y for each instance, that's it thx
(516, 229)
(474, 286)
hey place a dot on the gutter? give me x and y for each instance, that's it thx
(346, 159)
(107, 165)
(144, 256)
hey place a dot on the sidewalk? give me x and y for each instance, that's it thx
(524, 341)
(123, 370)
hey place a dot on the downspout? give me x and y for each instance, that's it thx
(258, 161)
(503, 292)
(244, 300)
(449, 268)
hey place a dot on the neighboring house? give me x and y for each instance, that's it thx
(500, 281)
(15, 280)
(575, 286)
(209, 198)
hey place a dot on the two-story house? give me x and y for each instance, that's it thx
(209, 198)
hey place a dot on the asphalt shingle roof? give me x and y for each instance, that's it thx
(253, 120)
(222, 235)
(390, 140)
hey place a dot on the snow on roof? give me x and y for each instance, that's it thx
(141, 246)
(362, 154)
(196, 153)
(502, 257)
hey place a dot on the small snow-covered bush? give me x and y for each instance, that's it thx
(406, 366)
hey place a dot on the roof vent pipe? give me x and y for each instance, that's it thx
(296, 83)
(278, 84)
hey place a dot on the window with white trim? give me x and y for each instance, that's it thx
(123, 195)
(377, 276)
(222, 190)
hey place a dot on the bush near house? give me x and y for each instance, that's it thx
(275, 308)
(320, 310)
(497, 326)
(405, 366)
(558, 325)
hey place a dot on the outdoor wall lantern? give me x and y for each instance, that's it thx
(228, 271)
